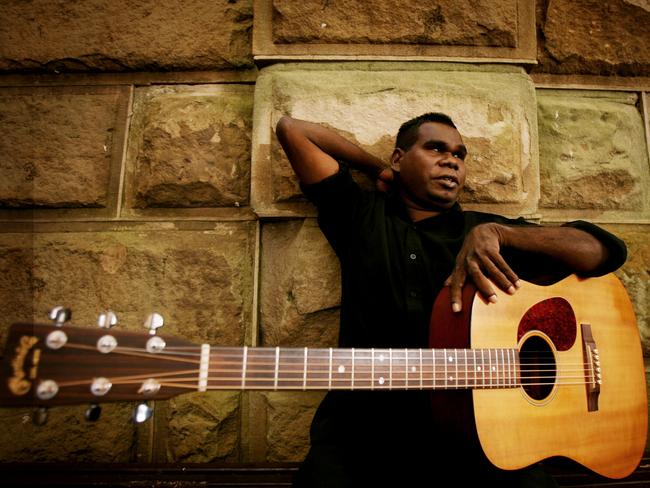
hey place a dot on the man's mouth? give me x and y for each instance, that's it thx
(448, 181)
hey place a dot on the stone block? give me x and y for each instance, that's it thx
(493, 107)
(602, 38)
(634, 274)
(67, 436)
(593, 152)
(300, 286)
(108, 35)
(61, 146)
(475, 29)
(288, 417)
(190, 147)
(203, 428)
(447, 22)
(201, 281)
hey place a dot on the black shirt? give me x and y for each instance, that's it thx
(392, 269)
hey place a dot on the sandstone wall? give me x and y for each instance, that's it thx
(141, 172)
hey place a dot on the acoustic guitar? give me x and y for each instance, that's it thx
(550, 371)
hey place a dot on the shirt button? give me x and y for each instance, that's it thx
(413, 256)
(413, 294)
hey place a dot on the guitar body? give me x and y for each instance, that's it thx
(517, 427)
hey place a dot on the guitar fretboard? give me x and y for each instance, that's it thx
(361, 369)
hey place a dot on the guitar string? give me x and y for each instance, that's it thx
(252, 357)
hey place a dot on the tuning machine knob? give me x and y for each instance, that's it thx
(93, 412)
(59, 315)
(154, 321)
(107, 319)
(142, 412)
(39, 416)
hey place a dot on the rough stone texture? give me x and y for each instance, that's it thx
(67, 436)
(204, 428)
(300, 286)
(592, 151)
(494, 110)
(603, 38)
(634, 274)
(200, 281)
(109, 35)
(190, 146)
(56, 145)
(288, 418)
(445, 22)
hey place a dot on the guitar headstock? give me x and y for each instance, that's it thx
(46, 365)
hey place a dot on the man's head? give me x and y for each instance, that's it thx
(429, 159)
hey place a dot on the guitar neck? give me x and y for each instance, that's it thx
(282, 368)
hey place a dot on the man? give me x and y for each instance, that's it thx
(397, 249)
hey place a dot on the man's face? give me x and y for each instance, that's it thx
(432, 171)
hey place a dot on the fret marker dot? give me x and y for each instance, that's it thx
(341, 369)
(451, 378)
(493, 368)
(381, 357)
(451, 360)
(478, 368)
(381, 380)
(414, 369)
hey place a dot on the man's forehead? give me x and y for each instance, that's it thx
(440, 132)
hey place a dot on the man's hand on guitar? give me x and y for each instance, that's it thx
(480, 259)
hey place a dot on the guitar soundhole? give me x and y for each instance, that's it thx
(537, 367)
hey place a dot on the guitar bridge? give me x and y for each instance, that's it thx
(593, 376)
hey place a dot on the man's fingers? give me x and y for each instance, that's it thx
(483, 285)
(511, 277)
(455, 283)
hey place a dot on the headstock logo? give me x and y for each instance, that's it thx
(18, 384)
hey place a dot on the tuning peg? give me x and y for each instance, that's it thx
(142, 412)
(39, 416)
(93, 412)
(107, 319)
(154, 321)
(59, 315)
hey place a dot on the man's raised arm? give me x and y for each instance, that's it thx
(313, 151)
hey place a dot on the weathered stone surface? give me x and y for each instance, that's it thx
(494, 111)
(67, 436)
(592, 151)
(110, 35)
(190, 146)
(56, 145)
(300, 286)
(288, 417)
(601, 37)
(634, 274)
(446, 22)
(203, 428)
(200, 281)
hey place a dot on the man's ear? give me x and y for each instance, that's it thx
(396, 159)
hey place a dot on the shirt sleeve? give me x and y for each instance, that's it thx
(617, 250)
(339, 201)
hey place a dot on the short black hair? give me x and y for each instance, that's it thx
(408, 131)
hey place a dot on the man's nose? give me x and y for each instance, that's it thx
(450, 161)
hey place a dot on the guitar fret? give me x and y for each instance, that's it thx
(329, 378)
(372, 366)
(243, 368)
(204, 367)
(420, 355)
(353, 366)
(277, 368)
(304, 372)
(390, 369)
(406, 368)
